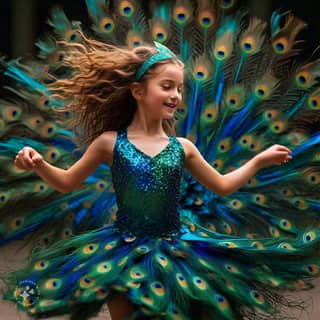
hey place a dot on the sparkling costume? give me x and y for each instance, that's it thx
(166, 270)
(147, 188)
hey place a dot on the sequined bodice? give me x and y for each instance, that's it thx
(147, 188)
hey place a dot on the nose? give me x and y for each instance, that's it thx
(174, 95)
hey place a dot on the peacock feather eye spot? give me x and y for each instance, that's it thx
(314, 103)
(126, 10)
(3, 198)
(206, 21)
(198, 281)
(227, 4)
(136, 43)
(50, 130)
(87, 280)
(261, 92)
(269, 115)
(108, 26)
(160, 35)
(302, 79)
(158, 285)
(54, 284)
(181, 278)
(18, 222)
(221, 54)
(247, 46)
(46, 103)
(181, 16)
(279, 46)
(60, 57)
(244, 141)
(209, 115)
(200, 75)
(181, 110)
(251, 146)
(220, 298)
(232, 101)
(73, 37)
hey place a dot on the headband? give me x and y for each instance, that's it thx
(163, 53)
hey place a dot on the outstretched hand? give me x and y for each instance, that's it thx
(274, 155)
(27, 159)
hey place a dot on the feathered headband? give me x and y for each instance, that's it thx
(163, 53)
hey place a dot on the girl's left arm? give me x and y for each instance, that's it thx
(226, 184)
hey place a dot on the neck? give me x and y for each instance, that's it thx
(146, 125)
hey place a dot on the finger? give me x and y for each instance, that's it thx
(289, 157)
(283, 154)
(37, 158)
(283, 148)
(17, 163)
(25, 164)
(27, 157)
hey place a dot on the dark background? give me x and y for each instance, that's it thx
(23, 21)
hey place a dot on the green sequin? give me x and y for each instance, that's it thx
(147, 188)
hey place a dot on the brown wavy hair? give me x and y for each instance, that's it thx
(98, 91)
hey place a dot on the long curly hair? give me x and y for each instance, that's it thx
(98, 90)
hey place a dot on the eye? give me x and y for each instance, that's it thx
(166, 87)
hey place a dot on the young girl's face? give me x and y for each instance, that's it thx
(163, 91)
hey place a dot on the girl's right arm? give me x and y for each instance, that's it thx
(100, 150)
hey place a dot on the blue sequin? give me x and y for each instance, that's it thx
(147, 188)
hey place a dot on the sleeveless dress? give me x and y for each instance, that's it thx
(154, 254)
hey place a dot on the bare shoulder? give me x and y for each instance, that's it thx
(188, 146)
(105, 142)
(109, 137)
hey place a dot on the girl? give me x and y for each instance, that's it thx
(148, 259)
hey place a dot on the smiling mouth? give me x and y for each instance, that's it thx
(170, 105)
